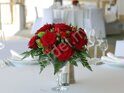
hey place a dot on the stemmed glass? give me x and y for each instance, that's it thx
(62, 82)
(58, 87)
(91, 38)
(103, 46)
(95, 42)
(2, 40)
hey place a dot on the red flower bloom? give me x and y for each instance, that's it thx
(75, 2)
(63, 52)
(78, 39)
(63, 43)
(62, 27)
(48, 39)
(32, 43)
(47, 50)
(46, 27)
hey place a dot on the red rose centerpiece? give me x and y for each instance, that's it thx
(59, 44)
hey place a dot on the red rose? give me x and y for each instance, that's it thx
(47, 50)
(78, 39)
(75, 2)
(63, 52)
(46, 27)
(32, 43)
(62, 27)
(48, 39)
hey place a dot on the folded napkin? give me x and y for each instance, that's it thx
(107, 59)
(16, 55)
(112, 58)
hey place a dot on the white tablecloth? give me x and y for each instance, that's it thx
(26, 79)
(84, 17)
(18, 45)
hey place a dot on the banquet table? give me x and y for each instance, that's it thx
(27, 79)
(17, 44)
(87, 18)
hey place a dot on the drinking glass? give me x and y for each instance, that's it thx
(96, 43)
(91, 38)
(103, 46)
(2, 40)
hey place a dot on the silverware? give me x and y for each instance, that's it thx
(8, 62)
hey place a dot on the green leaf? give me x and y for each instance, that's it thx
(57, 67)
(84, 60)
(85, 63)
(40, 34)
(43, 64)
(32, 53)
(42, 56)
(73, 61)
(56, 63)
(26, 54)
(39, 43)
(85, 53)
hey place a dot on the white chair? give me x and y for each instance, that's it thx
(119, 48)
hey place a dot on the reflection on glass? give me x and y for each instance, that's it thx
(103, 46)
(2, 40)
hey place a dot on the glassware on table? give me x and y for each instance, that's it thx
(91, 38)
(103, 46)
(2, 40)
(96, 43)
(62, 80)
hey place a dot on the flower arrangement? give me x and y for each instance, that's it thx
(59, 44)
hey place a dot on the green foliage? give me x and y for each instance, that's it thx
(44, 59)
(43, 64)
(40, 34)
(39, 43)
(83, 55)
(56, 63)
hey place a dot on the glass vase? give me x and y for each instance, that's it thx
(62, 79)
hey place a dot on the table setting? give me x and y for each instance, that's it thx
(21, 75)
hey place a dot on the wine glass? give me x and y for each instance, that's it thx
(96, 43)
(2, 40)
(91, 38)
(103, 46)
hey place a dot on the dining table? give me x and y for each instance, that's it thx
(26, 78)
(84, 17)
(16, 44)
